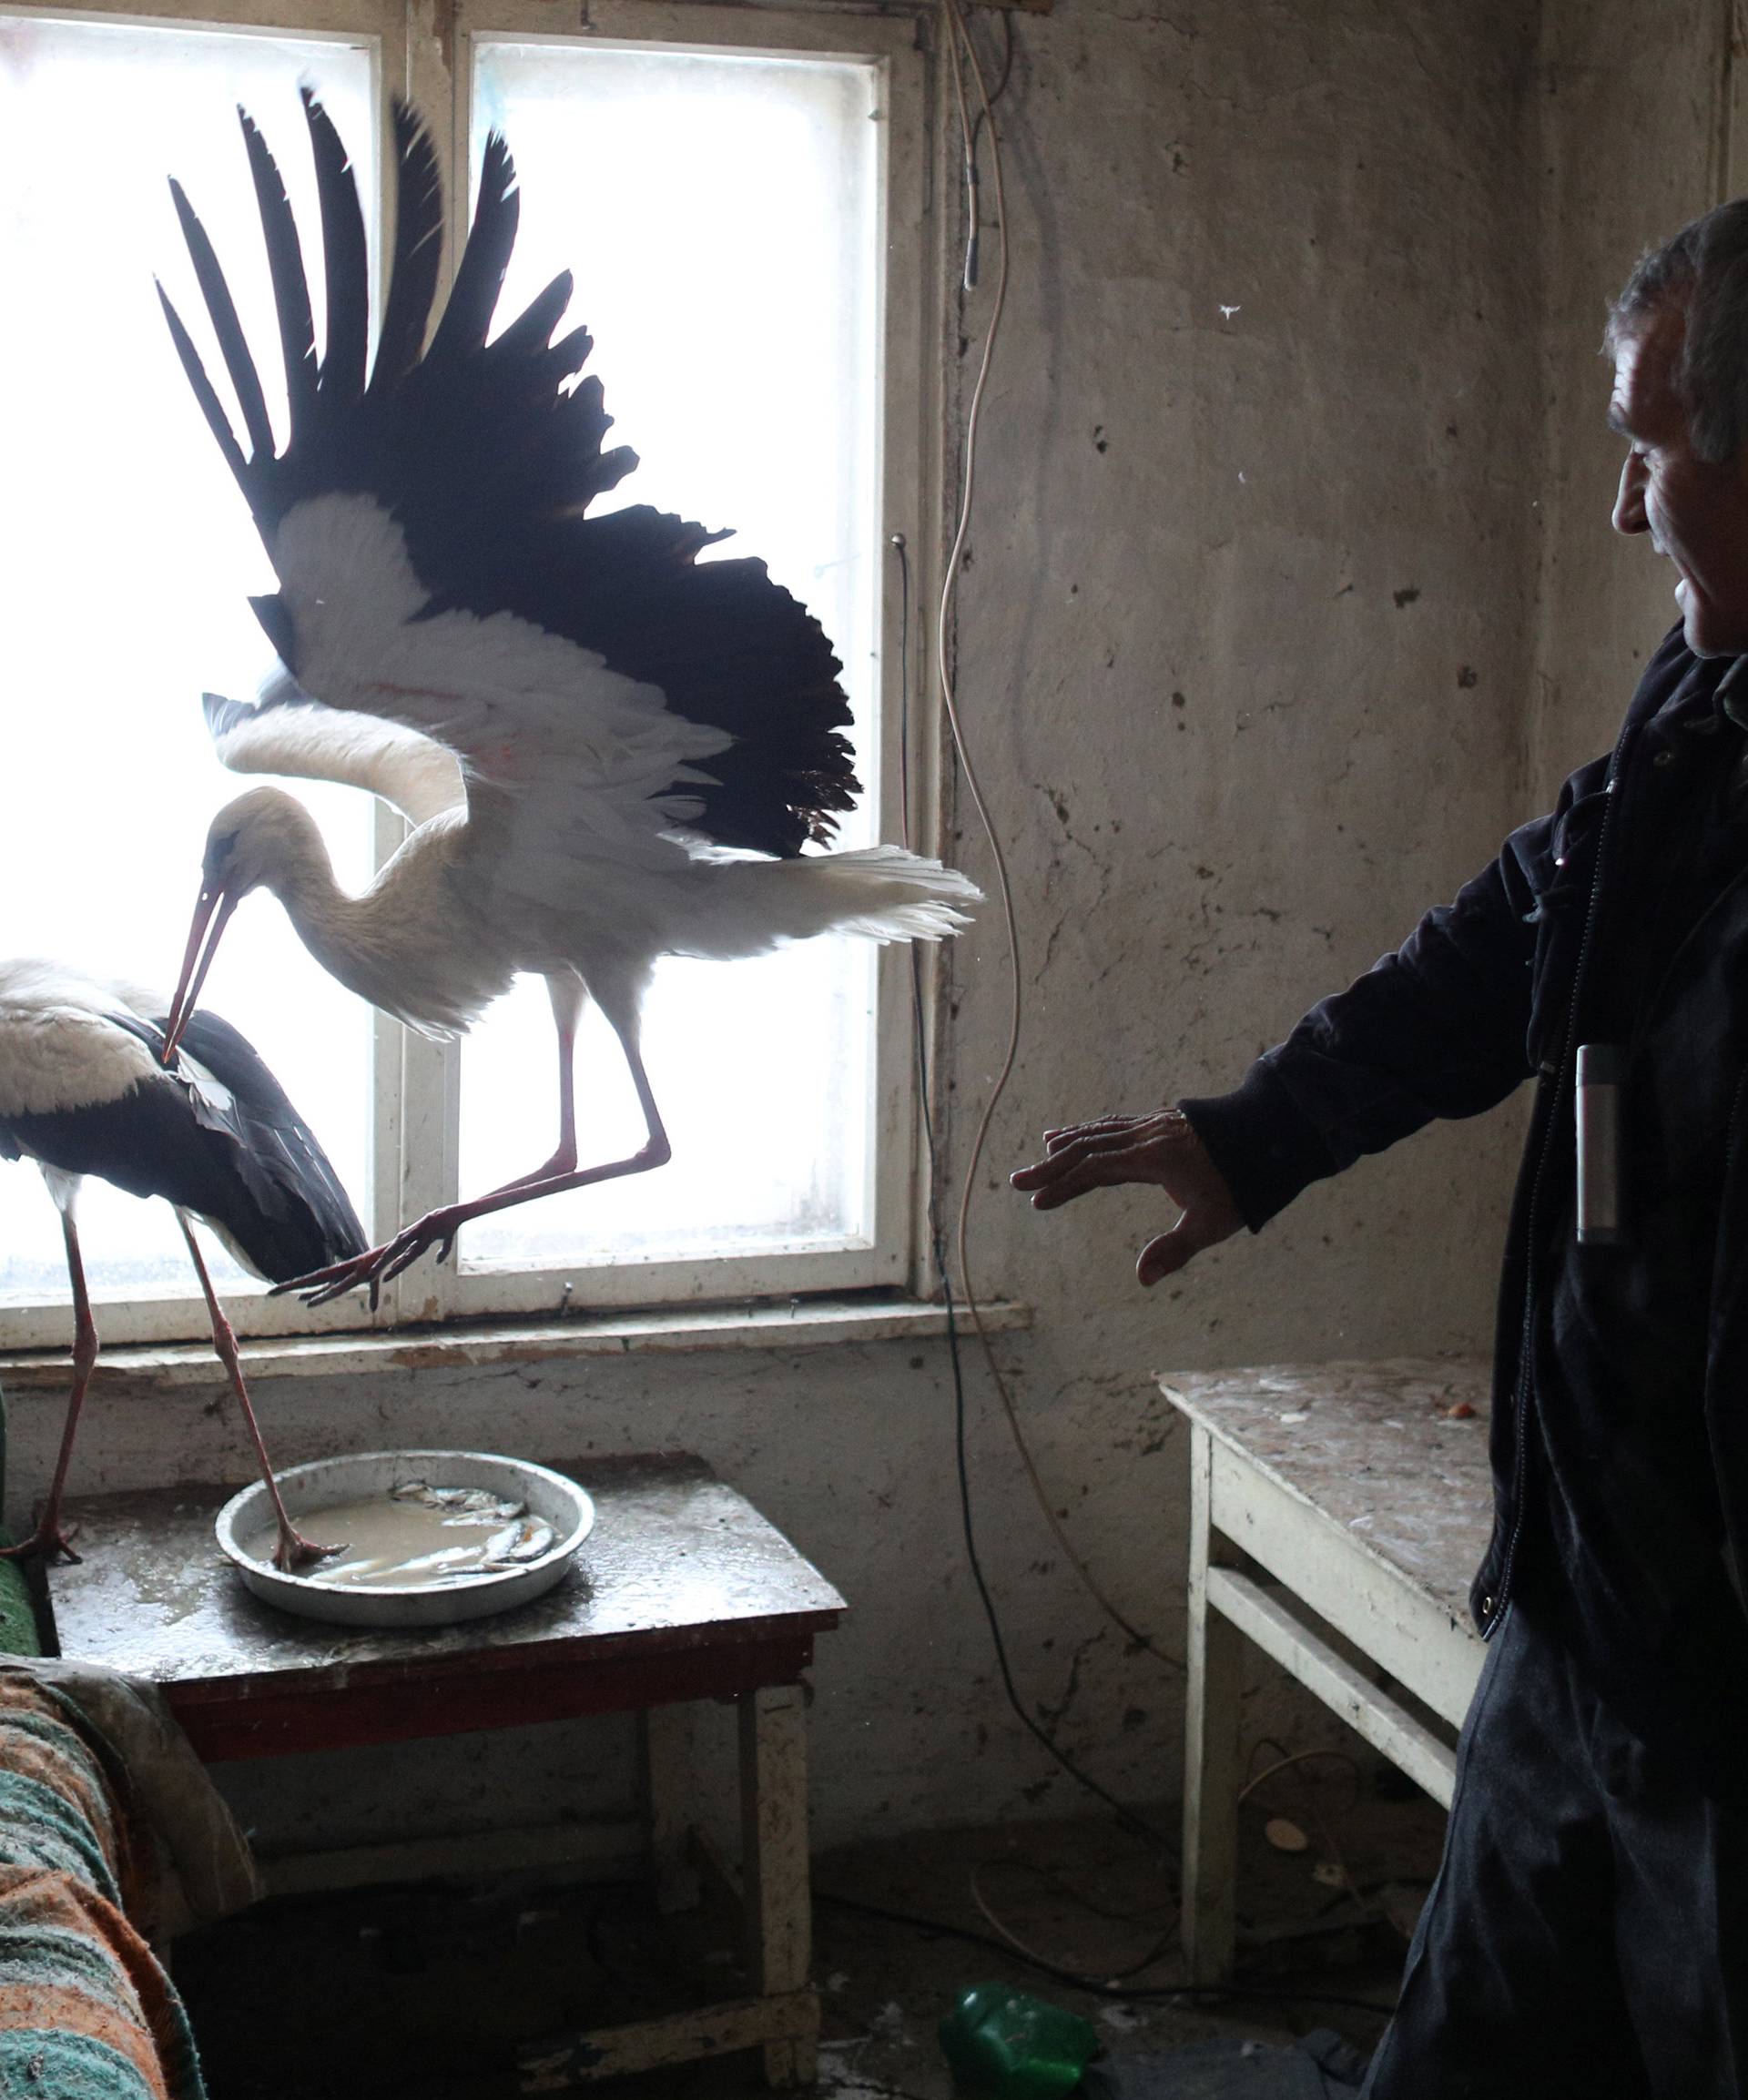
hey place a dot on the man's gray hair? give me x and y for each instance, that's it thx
(1703, 268)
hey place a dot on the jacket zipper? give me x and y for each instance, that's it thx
(1525, 1346)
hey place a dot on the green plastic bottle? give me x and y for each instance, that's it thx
(1013, 2046)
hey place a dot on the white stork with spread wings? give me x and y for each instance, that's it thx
(580, 720)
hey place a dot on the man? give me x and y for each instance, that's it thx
(1588, 1934)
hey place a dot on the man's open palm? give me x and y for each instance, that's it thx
(1160, 1148)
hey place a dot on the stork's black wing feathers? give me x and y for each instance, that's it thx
(345, 264)
(530, 335)
(418, 253)
(301, 1201)
(252, 1165)
(291, 286)
(233, 344)
(718, 638)
(210, 406)
(473, 298)
(489, 454)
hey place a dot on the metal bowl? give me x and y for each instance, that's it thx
(309, 1489)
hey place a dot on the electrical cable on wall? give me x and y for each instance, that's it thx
(1135, 1823)
(958, 31)
(963, 51)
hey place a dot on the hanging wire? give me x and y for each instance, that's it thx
(964, 52)
(1127, 1817)
(973, 215)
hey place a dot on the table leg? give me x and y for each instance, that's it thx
(667, 1773)
(1211, 1774)
(774, 1864)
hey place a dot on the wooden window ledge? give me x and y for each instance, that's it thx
(797, 1323)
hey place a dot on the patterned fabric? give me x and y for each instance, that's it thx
(87, 2012)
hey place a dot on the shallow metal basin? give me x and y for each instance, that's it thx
(309, 1489)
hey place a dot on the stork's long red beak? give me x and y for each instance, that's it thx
(211, 915)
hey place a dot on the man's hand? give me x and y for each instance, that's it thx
(1162, 1149)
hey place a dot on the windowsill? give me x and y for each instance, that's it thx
(799, 1323)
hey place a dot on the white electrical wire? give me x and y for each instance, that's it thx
(962, 50)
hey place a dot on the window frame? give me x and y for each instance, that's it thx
(425, 53)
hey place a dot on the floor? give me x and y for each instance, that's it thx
(424, 1991)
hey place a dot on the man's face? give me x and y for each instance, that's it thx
(1695, 511)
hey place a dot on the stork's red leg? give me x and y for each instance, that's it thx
(48, 1537)
(438, 1228)
(567, 1006)
(294, 1550)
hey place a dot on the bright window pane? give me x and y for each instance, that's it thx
(720, 213)
(127, 553)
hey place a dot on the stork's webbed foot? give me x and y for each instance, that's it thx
(361, 1271)
(438, 1228)
(296, 1555)
(48, 1543)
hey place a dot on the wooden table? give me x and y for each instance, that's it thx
(1363, 1490)
(682, 1592)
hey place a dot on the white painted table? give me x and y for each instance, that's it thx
(1363, 1491)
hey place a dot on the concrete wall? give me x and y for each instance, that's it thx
(1247, 653)
(1263, 580)
(1246, 650)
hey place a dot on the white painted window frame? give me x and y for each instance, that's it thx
(422, 49)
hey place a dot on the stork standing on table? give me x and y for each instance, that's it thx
(83, 1091)
(576, 716)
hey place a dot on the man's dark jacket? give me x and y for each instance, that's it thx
(1502, 986)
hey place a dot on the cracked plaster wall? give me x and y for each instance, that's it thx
(1247, 653)
(1246, 650)
(1246, 635)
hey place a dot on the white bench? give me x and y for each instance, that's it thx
(1367, 1499)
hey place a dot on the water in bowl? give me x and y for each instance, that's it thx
(416, 1535)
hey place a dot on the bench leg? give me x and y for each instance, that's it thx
(774, 1864)
(1211, 1774)
(667, 1777)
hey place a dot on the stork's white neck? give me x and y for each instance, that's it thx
(274, 844)
(408, 945)
(280, 849)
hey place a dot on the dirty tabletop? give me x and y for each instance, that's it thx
(683, 1590)
(1375, 1445)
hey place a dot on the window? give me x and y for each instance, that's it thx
(739, 195)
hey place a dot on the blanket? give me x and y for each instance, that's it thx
(87, 2012)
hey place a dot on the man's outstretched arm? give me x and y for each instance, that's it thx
(1438, 1028)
